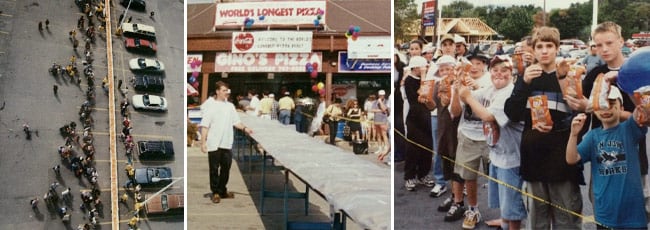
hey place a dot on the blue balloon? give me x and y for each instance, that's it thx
(192, 80)
(635, 72)
(261, 17)
(357, 29)
(316, 22)
(249, 24)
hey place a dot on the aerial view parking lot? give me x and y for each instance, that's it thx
(90, 114)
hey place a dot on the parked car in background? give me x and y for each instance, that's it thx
(155, 149)
(140, 45)
(578, 53)
(153, 175)
(164, 203)
(135, 4)
(148, 83)
(568, 44)
(146, 65)
(149, 102)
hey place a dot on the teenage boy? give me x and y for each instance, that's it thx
(543, 166)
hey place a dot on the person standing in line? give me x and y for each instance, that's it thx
(286, 105)
(334, 111)
(266, 104)
(380, 122)
(217, 136)
(254, 105)
(543, 167)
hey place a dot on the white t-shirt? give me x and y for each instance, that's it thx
(219, 117)
(470, 125)
(255, 104)
(503, 136)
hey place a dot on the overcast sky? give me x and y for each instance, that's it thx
(550, 4)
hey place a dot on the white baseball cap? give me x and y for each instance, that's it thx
(417, 61)
(446, 59)
(271, 95)
(614, 93)
(381, 92)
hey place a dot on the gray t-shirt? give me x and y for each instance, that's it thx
(503, 136)
(591, 61)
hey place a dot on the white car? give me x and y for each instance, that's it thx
(146, 64)
(149, 102)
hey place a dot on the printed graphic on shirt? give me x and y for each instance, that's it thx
(469, 115)
(611, 158)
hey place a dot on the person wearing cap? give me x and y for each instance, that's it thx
(502, 137)
(461, 47)
(427, 52)
(543, 168)
(418, 125)
(217, 136)
(334, 112)
(380, 121)
(286, 105)
(608, 40)
(592, 60)
(275, 108)
(447, 46)
(472, 149)
(613, 153)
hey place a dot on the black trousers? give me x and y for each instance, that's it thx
(220, 162)
(334, 128)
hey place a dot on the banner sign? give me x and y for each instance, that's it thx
(272, 42)
(369, 47)
(266, 62)
(363, 65)
(429, 13)
(269, 13)
(191, 58)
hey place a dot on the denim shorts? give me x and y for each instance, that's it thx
(508, 200)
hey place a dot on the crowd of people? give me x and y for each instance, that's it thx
(474, 111)
(362, 123)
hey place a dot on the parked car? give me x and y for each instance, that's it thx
(140, 45)
(155, 149)
(148, 83)
(146, 65)
(164, 203)
(149, 102)
(568, 44)
(153, 175)
(135, 4)
(578, 53)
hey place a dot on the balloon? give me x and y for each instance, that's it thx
(192, 79)
(348, 35)
(320, 85)
(316, 22)
(357, 29)
(354, 38)
(195, 84)
(351, 28)
(261, 17)
(635, 71)
(310, 69)
(313, 74)
(192, 65)
(314, 88)
(321, 92)
(249, 24)
(195, 74)
(307, 65)
(319, 17)
(355, 34)
(321, 12)
(315, 65)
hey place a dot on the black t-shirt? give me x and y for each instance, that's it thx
(628, 105)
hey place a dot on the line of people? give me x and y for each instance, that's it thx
(472, 109)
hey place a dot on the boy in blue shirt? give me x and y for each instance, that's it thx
(613, 152)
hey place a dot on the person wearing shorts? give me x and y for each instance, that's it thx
(380, 108)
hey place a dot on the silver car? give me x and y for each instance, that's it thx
(146, 65)
(149, 102)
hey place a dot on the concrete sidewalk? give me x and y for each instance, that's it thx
(243, 212)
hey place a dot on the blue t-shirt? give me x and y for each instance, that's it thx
(614, 157)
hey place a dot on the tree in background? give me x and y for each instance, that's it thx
(404, 14)
(458, 9)
(517, 24)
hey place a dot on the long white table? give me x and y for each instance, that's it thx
(356, 187)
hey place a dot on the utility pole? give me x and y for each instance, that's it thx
(544, 14)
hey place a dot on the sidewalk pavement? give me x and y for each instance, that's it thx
(243, 212)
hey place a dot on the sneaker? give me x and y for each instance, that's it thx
(216, 198)
(438, 190)
(427, 180)
(410, 184)
(444, 207)
(455, 213)
(471, 218)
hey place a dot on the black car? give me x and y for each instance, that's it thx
(156, 149)
(148, 83)
(153, 175)
(135, 4)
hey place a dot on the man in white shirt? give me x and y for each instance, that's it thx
(218, 118)
(254, 104)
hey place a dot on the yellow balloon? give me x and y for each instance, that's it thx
(320, 85)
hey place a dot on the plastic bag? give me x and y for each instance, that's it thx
(539, 112)
(598, 98)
